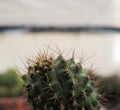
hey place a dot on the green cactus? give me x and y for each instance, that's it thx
(59, 84)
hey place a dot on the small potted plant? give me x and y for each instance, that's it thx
(11, 90)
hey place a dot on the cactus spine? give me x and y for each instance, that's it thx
(59, 84)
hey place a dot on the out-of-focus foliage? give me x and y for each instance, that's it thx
(11, 84)
(110, 87)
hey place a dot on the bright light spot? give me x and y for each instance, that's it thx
(116, 51)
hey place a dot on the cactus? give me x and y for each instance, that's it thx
(59, 84)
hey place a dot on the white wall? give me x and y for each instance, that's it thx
(103, 48)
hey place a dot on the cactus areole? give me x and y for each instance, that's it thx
(59, 84)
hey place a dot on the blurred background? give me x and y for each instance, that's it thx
(91, 27)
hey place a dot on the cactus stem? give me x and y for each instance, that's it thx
(59, 83)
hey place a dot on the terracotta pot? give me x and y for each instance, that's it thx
(18, 103)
